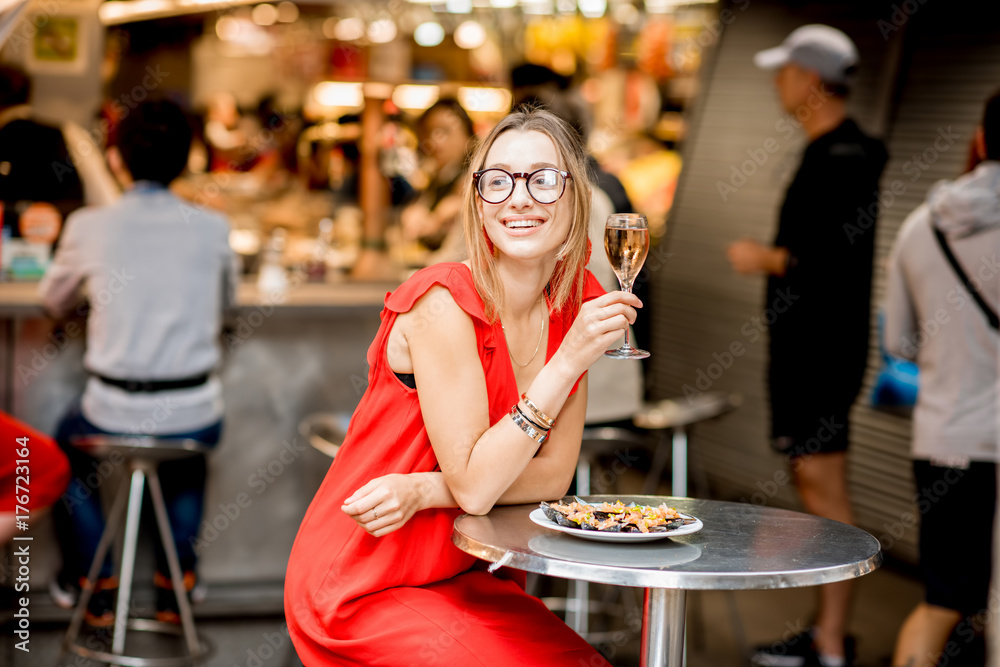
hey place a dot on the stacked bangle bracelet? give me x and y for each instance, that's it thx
(537, 434)
(540, 417)
(537, 425)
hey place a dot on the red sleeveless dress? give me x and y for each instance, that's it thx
(411, 597)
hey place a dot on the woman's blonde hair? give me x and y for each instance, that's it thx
(565, 288)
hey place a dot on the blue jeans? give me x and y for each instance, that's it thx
(79, 519)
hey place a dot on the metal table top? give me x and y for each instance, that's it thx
(741, 547)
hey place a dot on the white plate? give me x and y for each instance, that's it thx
(538, 516)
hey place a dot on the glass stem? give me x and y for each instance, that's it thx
(627, 345)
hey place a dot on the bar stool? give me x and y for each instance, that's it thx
(676, 416)
(325, 431)
(142, 454)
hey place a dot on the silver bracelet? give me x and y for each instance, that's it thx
(536, 434)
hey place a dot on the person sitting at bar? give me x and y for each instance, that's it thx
(158, 274)
(476, 397)
(446, 139)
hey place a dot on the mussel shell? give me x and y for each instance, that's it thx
(551, 513)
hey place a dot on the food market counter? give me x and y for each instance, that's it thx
(282, 359)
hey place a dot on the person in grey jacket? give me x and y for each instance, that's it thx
(932, 318)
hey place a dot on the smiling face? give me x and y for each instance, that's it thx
(520, 227)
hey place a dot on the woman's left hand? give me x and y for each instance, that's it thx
(385, 504)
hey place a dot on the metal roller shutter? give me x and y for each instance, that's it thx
(936, 75)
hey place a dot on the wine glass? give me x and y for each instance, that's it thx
(626, 240)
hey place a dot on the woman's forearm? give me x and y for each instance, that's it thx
(432, 491)
(542, 479)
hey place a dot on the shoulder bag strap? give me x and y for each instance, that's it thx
(991, 314)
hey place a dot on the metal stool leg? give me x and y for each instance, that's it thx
(110, 528)
(578, 597)
(128, 560)
(173, 562)
(579, 602)
(583, 476)
(659, 462)
(680, 451)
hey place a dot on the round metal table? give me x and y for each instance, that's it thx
(741, 547)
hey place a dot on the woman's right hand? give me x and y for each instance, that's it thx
(599, 324)
(386, 503)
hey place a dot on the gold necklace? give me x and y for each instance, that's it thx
(538, 345)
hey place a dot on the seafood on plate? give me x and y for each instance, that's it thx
(616, 517)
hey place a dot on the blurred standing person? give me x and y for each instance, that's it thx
(159, 274)
(446, 138)
(954, 421)
(817, 270)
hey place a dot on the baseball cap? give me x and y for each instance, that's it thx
(820, 48)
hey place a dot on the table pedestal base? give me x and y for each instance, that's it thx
(663, 617)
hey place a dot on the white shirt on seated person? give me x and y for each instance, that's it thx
(158, 273)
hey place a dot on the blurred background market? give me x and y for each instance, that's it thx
(333, 136)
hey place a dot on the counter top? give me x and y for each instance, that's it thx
(310, 299)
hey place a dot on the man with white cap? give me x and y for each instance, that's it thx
(819, 273)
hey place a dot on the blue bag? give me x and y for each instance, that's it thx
(897, 382)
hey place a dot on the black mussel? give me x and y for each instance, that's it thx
(563, 521)
(550, 512)
(586, 526)
(613, 528)
(629, 528)
(601, 516)
(672, 525)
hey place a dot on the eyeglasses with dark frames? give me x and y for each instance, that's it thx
(545, 185)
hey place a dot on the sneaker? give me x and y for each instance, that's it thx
(63, 591)
(101, 607)
(167, 609)
(799, 651)
(849, 659)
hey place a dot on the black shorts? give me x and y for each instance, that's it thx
(823, 435)
(956, 533)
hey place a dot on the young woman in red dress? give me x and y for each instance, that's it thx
(470, 364)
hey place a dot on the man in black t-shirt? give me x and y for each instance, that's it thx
(819, 283)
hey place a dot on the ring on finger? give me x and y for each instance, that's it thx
(375, 513)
